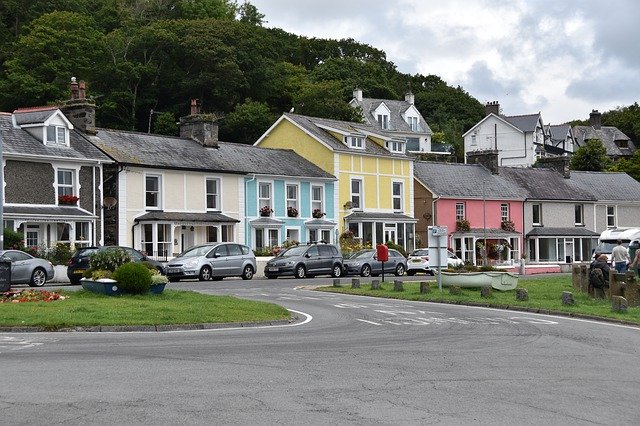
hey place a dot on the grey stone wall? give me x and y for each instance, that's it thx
(29, 183)
(85, 179)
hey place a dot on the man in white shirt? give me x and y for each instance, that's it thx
(620, 257)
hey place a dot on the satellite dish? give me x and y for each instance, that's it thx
(109, 202)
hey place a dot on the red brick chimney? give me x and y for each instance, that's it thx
(78, 109)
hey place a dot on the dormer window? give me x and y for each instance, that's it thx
(356, 142)
(413, 123)
(383, 120)
(57, 135)
(622, 143)
(396, 146)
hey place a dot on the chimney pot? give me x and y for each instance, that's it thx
(357, 93)
(409, 97)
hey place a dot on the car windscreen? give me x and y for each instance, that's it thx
(86, 252)
(420, 253)
(195, 251)
(293, 251)
(363, 254)
(607, 246)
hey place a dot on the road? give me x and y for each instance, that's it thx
(349, 360)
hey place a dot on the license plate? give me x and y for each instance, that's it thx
(416, 261)
(272, 269)
(172, 270)
(79, 271)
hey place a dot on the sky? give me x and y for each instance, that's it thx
(563, 58)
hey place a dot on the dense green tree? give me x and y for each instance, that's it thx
(324, 99)
(166, 124)
(592, 156)
(248, 14)
(631, 166)
(627, 119)
(247, 122)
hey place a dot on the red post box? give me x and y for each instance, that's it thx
(382, 252)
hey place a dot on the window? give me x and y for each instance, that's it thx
(396, 194)
(537, 214)
(65, 182)
(32, 236)
(212, 234)
(356, 142)
(611, 216)
(213, 194)
(622, 143)
(82, 234)
(383, 120)
(395, 146)
(460, 211)
(267, 238)
(413, 123)
(474, 140)
(62, 232)
(504, 212)
(56, 134)
(316, 198)
(293, 235)
(356, 193)
(156, 239)
(152, 191)
(579, 214)
(264, 194)
(292, 196)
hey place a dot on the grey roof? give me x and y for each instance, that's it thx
(454, 180)
(149, 150)
(559, 132)
(608, 135)
(606, 186)
(398, 217)
(209, 217)
(561, 232)
(266, 222)
(396, 109)
(320, 223)
(50, 211)
(489, 233)
(544, 184)
(526, 123)
(311, 125)
(16, 141)
(34, 115)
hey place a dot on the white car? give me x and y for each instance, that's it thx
(418, 261)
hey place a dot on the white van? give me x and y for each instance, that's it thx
(609, 239)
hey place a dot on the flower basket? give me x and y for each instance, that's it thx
(508, 225)
(67, 199)
(462, 225)
(292, 212)
(266, 211)
(317, 214)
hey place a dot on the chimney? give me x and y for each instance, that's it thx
(492, 107)
(200, 127)
(595, 119)
(78, 109)
(357, 93)
(487, 158)
(559, 164)
(409, 97)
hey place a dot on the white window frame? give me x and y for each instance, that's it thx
(66, 188)
(292, 201)
(413, 123)
(160, 242)
(265, 200)
(157, 191)
(213, 196)
(611, 217)
(292, 234)
(315, 202)
(397, 198)
(383, 120)
(533, 214)
(579, 214)
(504, 212)
(396, 146)
(355, 141)
(58, 136)
(460, 211)
(359, 195)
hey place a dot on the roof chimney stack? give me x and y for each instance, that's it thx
(595, 119)
(487, 158)
(78, 109)
(409, 97)
(357, 93)
(202, 128)
(492, 108)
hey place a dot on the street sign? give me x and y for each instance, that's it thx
(439, 231)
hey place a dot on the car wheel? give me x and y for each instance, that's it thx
(173, 279)
(205, 273)
(399, 270)
(366, 271)
(300, 271)
(38, 278)
(247, 274)
(411, 273)
(336, 271)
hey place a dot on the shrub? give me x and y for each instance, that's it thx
(13, 240)
(97, 274)
(391, 245)
(60, 254)
(462, 225)
(109, 259)
(134, 278)
(159, 279)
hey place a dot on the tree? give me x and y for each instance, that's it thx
(165, 124)
(247, 122)
(631, 166)
(325, 99)
(248, 14)
(592, 156)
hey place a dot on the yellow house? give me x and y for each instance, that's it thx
(374, 196)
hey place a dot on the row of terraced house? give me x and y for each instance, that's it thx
(307, 179)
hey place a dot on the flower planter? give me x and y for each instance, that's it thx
(103, 286)
(157, 288)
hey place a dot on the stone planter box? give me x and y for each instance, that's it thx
(103, 286)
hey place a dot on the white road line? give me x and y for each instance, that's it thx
(368, 322)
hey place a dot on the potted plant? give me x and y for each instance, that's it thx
(292, 211)
(508, 225)
(266, 211)
(317, 214)
(67, 199)
(462, 225)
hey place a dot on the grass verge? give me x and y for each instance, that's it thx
(545, 295)
(85, 309)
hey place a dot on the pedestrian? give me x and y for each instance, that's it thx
(599, 275)
(620, 257)
(636, 263)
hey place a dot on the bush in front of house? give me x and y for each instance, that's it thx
(134, 278)
(109, 259)
(13, 240)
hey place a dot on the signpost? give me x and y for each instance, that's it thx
(438, 236)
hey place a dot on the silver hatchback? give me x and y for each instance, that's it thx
(213, 262)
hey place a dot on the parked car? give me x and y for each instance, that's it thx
(365, 263)
(213, 262)
(26, 269)
(418, 261)
(79, 262)
(306, 261)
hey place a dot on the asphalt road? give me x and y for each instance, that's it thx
(349, 360)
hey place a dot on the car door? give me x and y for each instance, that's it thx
(218, 258)
(235, 260)
(326, 258)
(20, 267)
(312, 260)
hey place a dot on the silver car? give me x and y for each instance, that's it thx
(26, 269)
(365, 263)
(213, 262)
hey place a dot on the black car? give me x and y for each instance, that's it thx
(79, 262)
(306, 261)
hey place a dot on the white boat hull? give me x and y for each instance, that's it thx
(498, 280)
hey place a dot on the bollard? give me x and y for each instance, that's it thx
(375, 285)
(397, 285)
(486, 291)
(355, 282)
(424, 287)
(567, 298)
(522, 294)
(619, 304)
(336, 282)
(455, 290)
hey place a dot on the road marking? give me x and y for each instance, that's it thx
(10, 343)
(368, 322)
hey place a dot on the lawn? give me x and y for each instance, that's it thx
(545, 295)
(85, 309)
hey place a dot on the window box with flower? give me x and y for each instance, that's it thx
(68, 200)
(292, 211)
(508, 225)
(317, 214)
(463, 225)
(266, 211)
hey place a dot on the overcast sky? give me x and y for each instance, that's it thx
(560, 57)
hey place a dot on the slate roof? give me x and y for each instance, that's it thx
(544, 184)
(47, 211)
(526, 123)
(19, 142)
(489, 233)
(396, 109)
(209, 217)
(311, 125)
(606, 186)
(455, 180)
(158, 151)
(561, 232)
(608, 135)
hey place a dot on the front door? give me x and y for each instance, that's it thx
(188, 237)
(390, 233)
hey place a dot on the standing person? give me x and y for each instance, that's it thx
(599, 275)
(620, 256)
(636, 263)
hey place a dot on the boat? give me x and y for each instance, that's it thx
(498, 280)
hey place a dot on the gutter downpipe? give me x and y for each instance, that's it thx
(246, 225)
